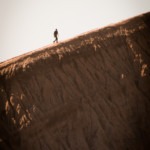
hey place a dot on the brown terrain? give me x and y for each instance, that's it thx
(91, 92)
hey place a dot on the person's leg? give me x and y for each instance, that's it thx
(54, 40)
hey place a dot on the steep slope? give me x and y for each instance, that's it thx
(87, 93)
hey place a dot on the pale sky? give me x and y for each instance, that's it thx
(26, 25)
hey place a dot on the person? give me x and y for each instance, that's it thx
(56, 36)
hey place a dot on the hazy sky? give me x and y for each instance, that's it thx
(26, 25)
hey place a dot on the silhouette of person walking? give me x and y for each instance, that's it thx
(56, 36)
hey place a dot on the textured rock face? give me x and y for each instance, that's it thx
(88, 93)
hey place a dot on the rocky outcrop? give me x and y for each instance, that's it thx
(88, 93)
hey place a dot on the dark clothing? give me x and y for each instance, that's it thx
(55, 33)
(56, 36)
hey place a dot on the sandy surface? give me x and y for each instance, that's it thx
(91, 92)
